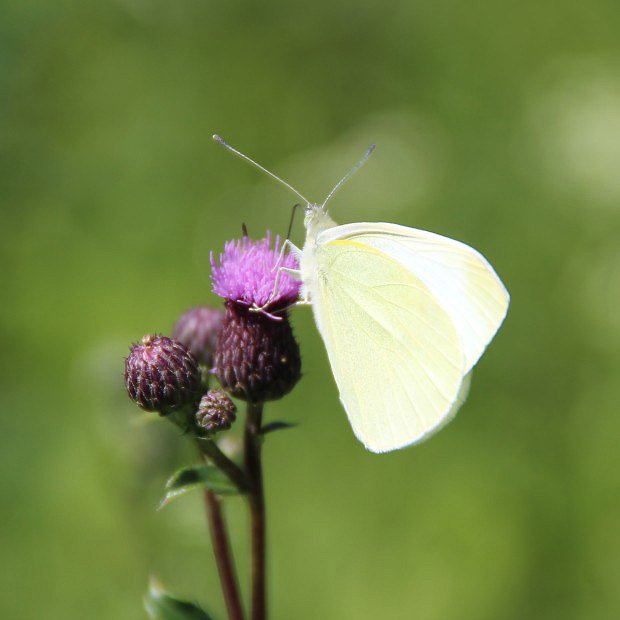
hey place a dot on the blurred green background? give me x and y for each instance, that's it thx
(497, 123)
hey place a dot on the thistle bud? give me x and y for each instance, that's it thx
(216, 412)
(257, 357)
(161, 374)
(198, 329)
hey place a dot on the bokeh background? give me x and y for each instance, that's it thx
(497, 123)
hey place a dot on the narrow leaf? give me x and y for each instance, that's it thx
(276, 426)
(198, 477)
(161, 605)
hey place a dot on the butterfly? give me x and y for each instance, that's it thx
(405, 315)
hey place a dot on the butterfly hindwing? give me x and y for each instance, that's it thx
(395, 352)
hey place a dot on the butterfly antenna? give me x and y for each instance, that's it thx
(251, 161)
(349, 174)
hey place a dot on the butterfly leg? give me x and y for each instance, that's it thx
(299, 302)
(294, 273)
(294, 250)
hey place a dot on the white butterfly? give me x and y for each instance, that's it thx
(405, 315)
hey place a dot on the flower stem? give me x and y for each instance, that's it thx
(209, 449)
(223, 556)
(254, 473)
(217, 526)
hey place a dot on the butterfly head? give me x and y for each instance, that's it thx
(316, 219)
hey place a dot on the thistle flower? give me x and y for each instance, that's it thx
(256, 358)
(247, 273)
(161, 374)
(216, 412)
(198, 329)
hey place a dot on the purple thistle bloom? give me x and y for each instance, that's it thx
(256, 358)
(246, 274)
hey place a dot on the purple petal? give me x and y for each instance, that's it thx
(246, 273)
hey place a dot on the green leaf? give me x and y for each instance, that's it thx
(276, 426)
(198, 477)
(160, 605)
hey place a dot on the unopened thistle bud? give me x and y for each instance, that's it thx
(198, 329)
(257, 357)
(216, 412)
(161, 374)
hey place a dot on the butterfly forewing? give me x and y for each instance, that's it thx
(395, 352)
(459, 277)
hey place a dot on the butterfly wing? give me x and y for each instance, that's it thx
(459, 277)
(395, 352)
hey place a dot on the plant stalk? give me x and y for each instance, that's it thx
(223, 556)
(217, 526)
(256, 499)
(208, 448)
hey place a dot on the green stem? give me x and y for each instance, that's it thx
(223, 556)
(254, 473)
(209, 449)
(219, 536)
(217, 526)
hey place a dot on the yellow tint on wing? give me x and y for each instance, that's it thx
(459, 277)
